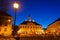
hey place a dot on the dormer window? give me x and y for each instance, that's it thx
(59, 22)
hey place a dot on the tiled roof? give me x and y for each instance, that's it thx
(55, 21)
(26, 22)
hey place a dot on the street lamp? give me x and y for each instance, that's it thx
(9, 20)
(16, 6)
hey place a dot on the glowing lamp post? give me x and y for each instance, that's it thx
(9, 20)
(16, 6)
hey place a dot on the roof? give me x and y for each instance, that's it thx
(55, 21)
(29, 21)
(3, 13)
(26, 22)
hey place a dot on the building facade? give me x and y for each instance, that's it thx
(54, 28)
(29, 28)
(5, 24)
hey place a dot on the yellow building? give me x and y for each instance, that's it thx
(54, 28)
(29, 28)
(5, 24)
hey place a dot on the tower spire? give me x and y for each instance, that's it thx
(29, 18)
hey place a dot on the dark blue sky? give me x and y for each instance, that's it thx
(43, 12)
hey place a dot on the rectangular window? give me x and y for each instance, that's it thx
(0, 23)
(0, 29)
(59, 22)
(5, 29)
(5, 24)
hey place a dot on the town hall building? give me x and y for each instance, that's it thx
(29, 28)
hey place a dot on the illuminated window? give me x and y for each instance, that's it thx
(31, 26)
(5, 24)
(23, 26)
(59, 22)
(3, 34)
(38, 32)
(0, 29)
(5, 29)
(24, 32)
(0, 23)
(57, 33)
(27, 26)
